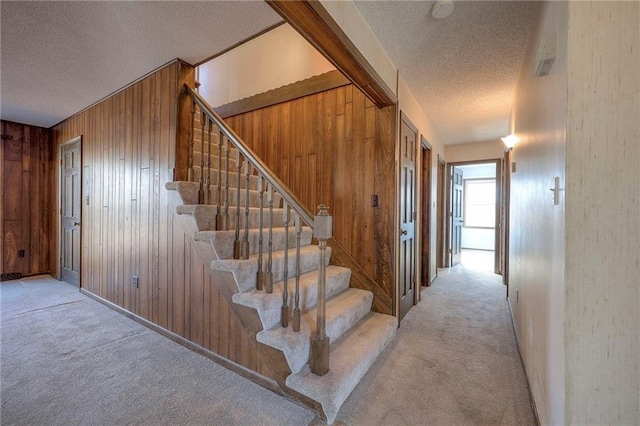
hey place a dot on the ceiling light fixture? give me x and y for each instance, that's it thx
(510, 141)
(441, 9)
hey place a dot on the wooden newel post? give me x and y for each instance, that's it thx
(322, 229)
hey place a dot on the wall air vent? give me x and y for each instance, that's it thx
(11, 276)
(546, 55)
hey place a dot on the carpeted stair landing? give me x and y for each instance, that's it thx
(357, 334)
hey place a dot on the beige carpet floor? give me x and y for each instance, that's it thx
(454, 361)
(66, 359)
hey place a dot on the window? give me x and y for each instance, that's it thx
(479, 203)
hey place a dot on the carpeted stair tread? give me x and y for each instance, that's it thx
(268, 304)
(205, 216)
(350, 358)
(188, 191)
(222, 241)
(244, 270)
(342, 312)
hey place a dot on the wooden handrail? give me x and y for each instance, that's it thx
(247, 153)
(321, 224)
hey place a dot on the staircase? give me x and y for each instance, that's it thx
(261, 238)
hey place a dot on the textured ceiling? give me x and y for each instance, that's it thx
(60, 57)
(462, 69)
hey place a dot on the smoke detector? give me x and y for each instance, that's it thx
(441, 9)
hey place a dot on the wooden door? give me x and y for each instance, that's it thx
(407, 193)
(456, 215)
(70, 212)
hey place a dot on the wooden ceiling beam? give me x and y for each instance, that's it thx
(314, 23)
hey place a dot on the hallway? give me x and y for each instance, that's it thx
(454, 361)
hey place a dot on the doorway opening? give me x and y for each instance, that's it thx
(475, 215)
(425, 220)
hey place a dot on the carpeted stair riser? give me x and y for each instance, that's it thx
(268, 304)
(342, 311)
(244, 270)
(254, 200)
(189, 193)
(222, 241)
(205, 216)
(350, 359)
(214, 158)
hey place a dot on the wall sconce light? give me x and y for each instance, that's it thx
(510, 141)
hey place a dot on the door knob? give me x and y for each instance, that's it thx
(403, 232)
(76, 223)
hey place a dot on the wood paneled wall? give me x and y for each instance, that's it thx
(128, 155)
(336, 148)
(25, 218)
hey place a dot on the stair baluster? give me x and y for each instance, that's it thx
(245, 240)
(260, 273)
(284, 311)
(322, 228)
(219, 224)
(296, 302)
(237, 246)
(201, 190)
(190, 172)
(207, 194)
(225, 216)
(268, 282)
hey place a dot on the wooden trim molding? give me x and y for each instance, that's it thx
(310, 86)
(218, 359)
(317, 26)
(382, 302)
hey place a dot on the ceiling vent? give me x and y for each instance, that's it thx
(546, 55)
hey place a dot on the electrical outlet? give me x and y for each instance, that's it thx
(374, 200)
(134, 281)
(20, 253)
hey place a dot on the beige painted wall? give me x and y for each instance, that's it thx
(536, 270)
(602, 270)
(409, 106)
(351, 21)
(274, 59)
(489, 150)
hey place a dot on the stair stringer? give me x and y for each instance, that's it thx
(272, 357)
(184, 227)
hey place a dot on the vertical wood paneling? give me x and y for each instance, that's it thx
(336, 148)
(25, 222)
(128, 226)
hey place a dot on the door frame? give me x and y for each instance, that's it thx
(440, 214)
(58, 263)
(498, 251)
(506, 201)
